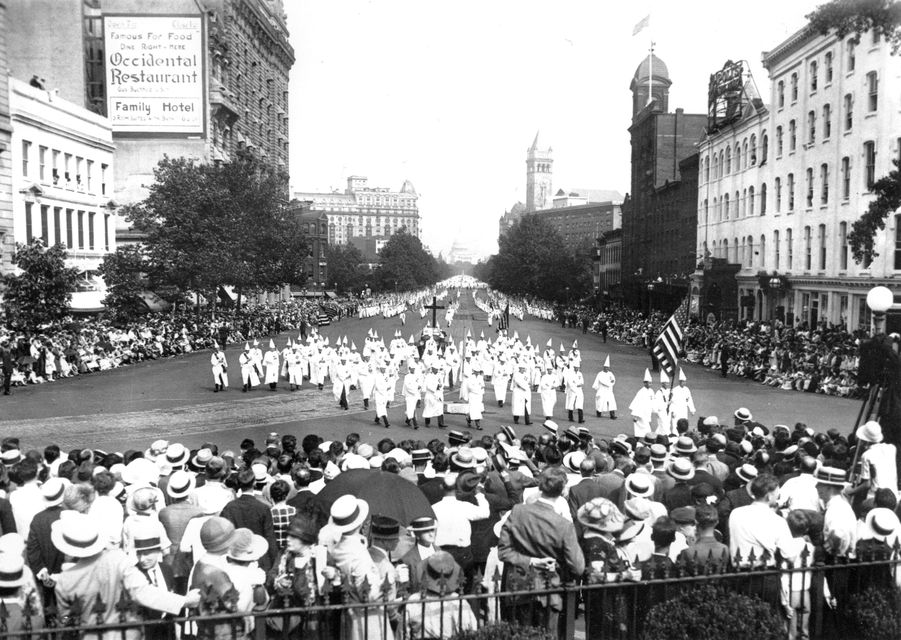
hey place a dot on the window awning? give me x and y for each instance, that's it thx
(87, 301)
(331, 294)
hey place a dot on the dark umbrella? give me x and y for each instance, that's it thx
(387, 494)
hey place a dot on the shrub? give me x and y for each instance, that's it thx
(710, 613)
(875, 614)
(506, 631)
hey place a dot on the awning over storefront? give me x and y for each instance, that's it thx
(87, 302)
(331, 294)
(227, 292)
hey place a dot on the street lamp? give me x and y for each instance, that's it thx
(879, 300)
(651, 287)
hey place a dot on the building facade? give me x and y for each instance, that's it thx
(7, 224)
(609, 266)
(580, 225)
(62, 157)
(833, 128)
(658, 229)
(539, 177)
(362, 211)
(314, 225)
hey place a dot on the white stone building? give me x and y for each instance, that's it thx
(832, 128)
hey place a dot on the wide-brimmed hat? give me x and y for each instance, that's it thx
(870, 432)
(202, 457)
(683, 515)
(304, 529)
(146, 535)
(637, 509)
(158, 448)
(630, 532)
(621, 447)
(681, 469)
(425, 523)
(53, 491)
(463, 458)
(144, 499)
(457, 437)
(551, 426)
(743, 414)
(881, 523)
(140, 471)
(441, 573)
(747, 472)
(216, 534)
(384, 527)
(246, 546)
(11, 457)
(831, 476)
(573, 434)
(348, 513)
(640, 485)
(685, 446)
(658, 452)
(12, 571)
(177, 454)
(600, 514)
(77, 534)
(180, 485)
(573, 459)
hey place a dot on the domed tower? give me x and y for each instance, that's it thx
(539, 177)
(652, 71)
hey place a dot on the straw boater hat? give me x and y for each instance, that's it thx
(348, 513)
(177, 454)
(425, 523)
(53, 491)
(747, 472)
(146, 536)
(77, 535)
(681, 469)
(640, 485)
(870, 432)
(180, 485)
(831, 476)
(12, 571)
(881, 523)
(573, 459)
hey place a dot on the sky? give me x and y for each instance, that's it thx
(451, 95)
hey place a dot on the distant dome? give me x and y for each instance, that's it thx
(408, 188)
(660, 70)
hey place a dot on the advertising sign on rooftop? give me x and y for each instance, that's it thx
(154, 74)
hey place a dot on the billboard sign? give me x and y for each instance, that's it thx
(155, 74)
(725, 95)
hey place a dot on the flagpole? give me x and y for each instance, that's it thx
(651, 73)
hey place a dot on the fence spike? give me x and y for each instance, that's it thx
(477, 581)
(29, 609)
(751, 558)
(805, 557)
(386, 589)
(4, 616)
(99, 609)
(364, 589)
(737, 559)
(496, 578)
(76, 612)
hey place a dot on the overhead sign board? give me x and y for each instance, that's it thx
(155, 74)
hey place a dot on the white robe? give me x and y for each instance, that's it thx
(682, 403)
(220, 368)
(382, 394)
(294, 363)
(270, 363)
(603, 386)
(501, 380)
(412, 391)
(575, 397)
(548, 390)
(522, 394)
(248, 370)
(434, 396)
(341, 382)
(642, 407)
(475, 388)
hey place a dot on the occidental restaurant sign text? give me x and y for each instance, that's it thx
(154, 74)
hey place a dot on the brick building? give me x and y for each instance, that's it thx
(579, 225)
(315, 226)
(658, 230)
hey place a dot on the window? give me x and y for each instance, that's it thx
(57, 232)
(809, 187)
(789, 249)
(55, 166)
(763, 199)
(750, 253)
(872, 91)
(753, 150)
(824, 183)
(106, 232)
(42, 163)
(794, 87)
(750, 201)
(843, 240)
(778, 141)
(869, 152)
(716, 166)
(827, 121)
(744, 154)
(790, 187)
(764, 147)
(740, 203)
(67, 169)
(707, 169)
(792, 137)
(778, 184)
(813, 76)
(81, 229)
(45, 227)
(103, 179)
(827, 63)
(897, 243)
(850, 56)
(846, 178)
(762, 251)
(780, 94)
(79, 178)
(89, 175)
(91, 230)
(811, 126)
(807, 249)
(26, 151)
(726, 206)
(776, 249)
(728, 160)
(849, 111)
(822, 232)
(68, 228)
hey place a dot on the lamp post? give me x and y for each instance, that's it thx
(879, 300)
(651, 287)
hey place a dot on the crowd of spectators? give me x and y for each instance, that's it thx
(209, 530)
(818, 359)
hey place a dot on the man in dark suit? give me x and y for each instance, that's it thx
(424, 529)
(586, 490)
(6, 364)
(44, 559)
(433, 488)
(248, 511)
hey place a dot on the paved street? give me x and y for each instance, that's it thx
(129, 407)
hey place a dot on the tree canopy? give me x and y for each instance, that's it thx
(41, 293)
(404, 264)
(846, 17)
(345, 268)
(123, 271)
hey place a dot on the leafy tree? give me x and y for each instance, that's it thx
(404, 261)
(344, 267)
(859, 16)
(123, 272)
(41, 293)
(864, 230)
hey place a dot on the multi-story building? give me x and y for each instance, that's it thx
(658, 223)
(608, 272)
(314, 225)
(62, 157)
(832, 130)
(579, 225)
(539, 177)
(203, 79)
(7, 238)
(362, 211)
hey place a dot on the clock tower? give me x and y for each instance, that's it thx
(539, 177)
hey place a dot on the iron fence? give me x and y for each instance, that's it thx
(811, 594)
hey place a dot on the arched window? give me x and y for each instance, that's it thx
(762, 251)
(726, 206)
(764, 147)
(728, 160)
(753, 150)
(763, 199)
(750, 208)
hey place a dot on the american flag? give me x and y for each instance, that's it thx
(503, 322)
(669, 343)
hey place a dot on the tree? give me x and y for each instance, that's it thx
(861, 239)
(344, 267)
(859, 16)
(222, 223)
(404, 261)
(40, 295)
(123, 272)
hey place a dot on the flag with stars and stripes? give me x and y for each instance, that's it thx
(503, 322)
(669, 343)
